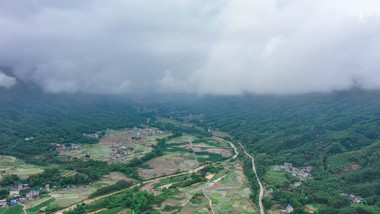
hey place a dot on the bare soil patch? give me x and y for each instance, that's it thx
(164, 166)
(349, 168)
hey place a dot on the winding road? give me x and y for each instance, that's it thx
(258, 181)
(195, 157)
(87, 201)
(219, 179)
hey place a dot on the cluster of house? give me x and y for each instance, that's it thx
(114, 158)
(146, 131)
(122, 149)
(63, 148)
(354, 199)
(93, 135)
(70, 188)
(23, 176)
(282, 209)
(119, 152)
(288, 167)
(17, 198)
(288, 209)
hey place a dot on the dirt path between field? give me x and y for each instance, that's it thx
(23, 208)
(258, 181)
(210, 185)
(195, 157)
(88, 201)
(218, 179)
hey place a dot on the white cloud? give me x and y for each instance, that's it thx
(227, 47)
(6, 81)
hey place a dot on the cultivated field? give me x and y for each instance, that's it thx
(181, 155)
(229, 195)
(118, 146)
(11, 165)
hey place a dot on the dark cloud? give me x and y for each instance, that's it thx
(198, 46)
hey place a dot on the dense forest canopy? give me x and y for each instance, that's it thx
(326, 131)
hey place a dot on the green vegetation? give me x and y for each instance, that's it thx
(329, 132)
(136, 201)
(336, 134)
(111, 188)
(12, 210)
(36, 209)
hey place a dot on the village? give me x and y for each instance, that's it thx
(111, 149)
(288, 167)
(22, 194)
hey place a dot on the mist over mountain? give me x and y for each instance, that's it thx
(218, 48)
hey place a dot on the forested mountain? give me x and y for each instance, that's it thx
(27, 112)
(337, 134)
(333, 133)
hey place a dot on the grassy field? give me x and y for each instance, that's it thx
(182, 139)
(12, 210)
(12, 165)
(230, 195)
(98, 151)
(25, 170)
(221, 134)
(275, 178)
(67, 198)
(36, 209)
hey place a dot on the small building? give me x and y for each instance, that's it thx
(270, 192)
(3, 202)
(14, 193)
(22, 200)
(356, 200)
(23, 177)
(305, 175)
(22, 186)
(75, 146)
(288, 165)
(33, 194)
(297, 184)
(288, 209)
(13, 202)
(209, 176)
(294, 169)
(277, 169)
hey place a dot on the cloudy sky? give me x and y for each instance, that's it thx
(225, 47)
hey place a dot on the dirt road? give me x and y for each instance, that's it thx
(210, 185)
(258, 181)
(195, 157)
(218, 179)
(88, 201)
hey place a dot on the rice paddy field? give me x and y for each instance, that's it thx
(67, 198)
(117, 140)
(229, 195)
(178, 155)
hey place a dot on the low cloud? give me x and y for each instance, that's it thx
(6, 81)
(221, 48)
